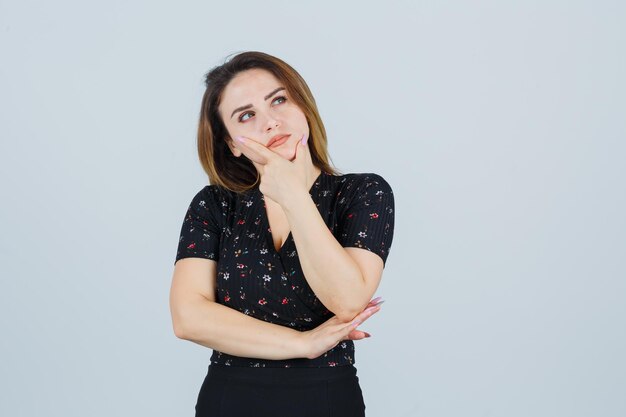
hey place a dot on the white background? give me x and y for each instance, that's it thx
(501, 127)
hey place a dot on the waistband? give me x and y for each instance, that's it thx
(282, 374)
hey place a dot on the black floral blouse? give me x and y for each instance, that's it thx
(255, 279)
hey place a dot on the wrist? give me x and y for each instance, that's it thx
(301, 345)
(296, 202)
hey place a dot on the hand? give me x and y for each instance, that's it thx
(280, 179)
(333, 331)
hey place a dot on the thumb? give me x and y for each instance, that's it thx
(259, 167)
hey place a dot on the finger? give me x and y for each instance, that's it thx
(303, 154)
(361, 317)
(259, 167)
(376, 300)
(352, 333)
(250, 153)
(254, 150)
(374, 304)
(358, 335)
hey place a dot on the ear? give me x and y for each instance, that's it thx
(233, 148)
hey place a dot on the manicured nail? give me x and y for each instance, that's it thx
(240, 139)
(304, 139)
(380, 302)
(356, 322)
(368, 309)
(367, 335)
(375, 300)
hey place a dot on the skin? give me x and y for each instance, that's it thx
(266, 118)
(344, 279)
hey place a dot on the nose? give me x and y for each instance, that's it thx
(272, 123)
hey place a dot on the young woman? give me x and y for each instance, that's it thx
(279, 257)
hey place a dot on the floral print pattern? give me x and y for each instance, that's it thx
(256, 279)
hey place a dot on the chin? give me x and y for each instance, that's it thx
(288, 154)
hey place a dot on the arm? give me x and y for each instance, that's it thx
(344, 279)
(198, 318)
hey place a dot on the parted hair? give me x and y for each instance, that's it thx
(238, 174)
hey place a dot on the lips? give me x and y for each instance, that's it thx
(277, 140)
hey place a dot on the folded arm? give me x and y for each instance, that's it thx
(196, 316)
(343, 278)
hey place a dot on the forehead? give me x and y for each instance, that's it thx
(248, 87)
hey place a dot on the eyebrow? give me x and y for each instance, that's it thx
(247, 106)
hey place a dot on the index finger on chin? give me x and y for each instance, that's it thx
(261, 153)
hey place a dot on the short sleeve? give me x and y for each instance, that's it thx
(368, 219)
(200, 233)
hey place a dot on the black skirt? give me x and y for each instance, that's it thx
(229, 391)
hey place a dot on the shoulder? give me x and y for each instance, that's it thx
(207, 195)
(364, 182)
(211, 194)
(210, 200)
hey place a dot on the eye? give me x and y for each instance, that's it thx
(241, 117)
(283, 97)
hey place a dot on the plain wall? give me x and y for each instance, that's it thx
(501, 127)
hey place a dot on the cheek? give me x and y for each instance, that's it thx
(296, 114)
(243, 129)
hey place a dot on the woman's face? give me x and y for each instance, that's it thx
(255, 104)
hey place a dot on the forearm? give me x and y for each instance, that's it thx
(330, 271)
(224, 329)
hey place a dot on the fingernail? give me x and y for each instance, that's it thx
(380, 302)
(368, 309)
(368, 335)
(240, 139)
(304, 139)
(375, 300)
(356, 322)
